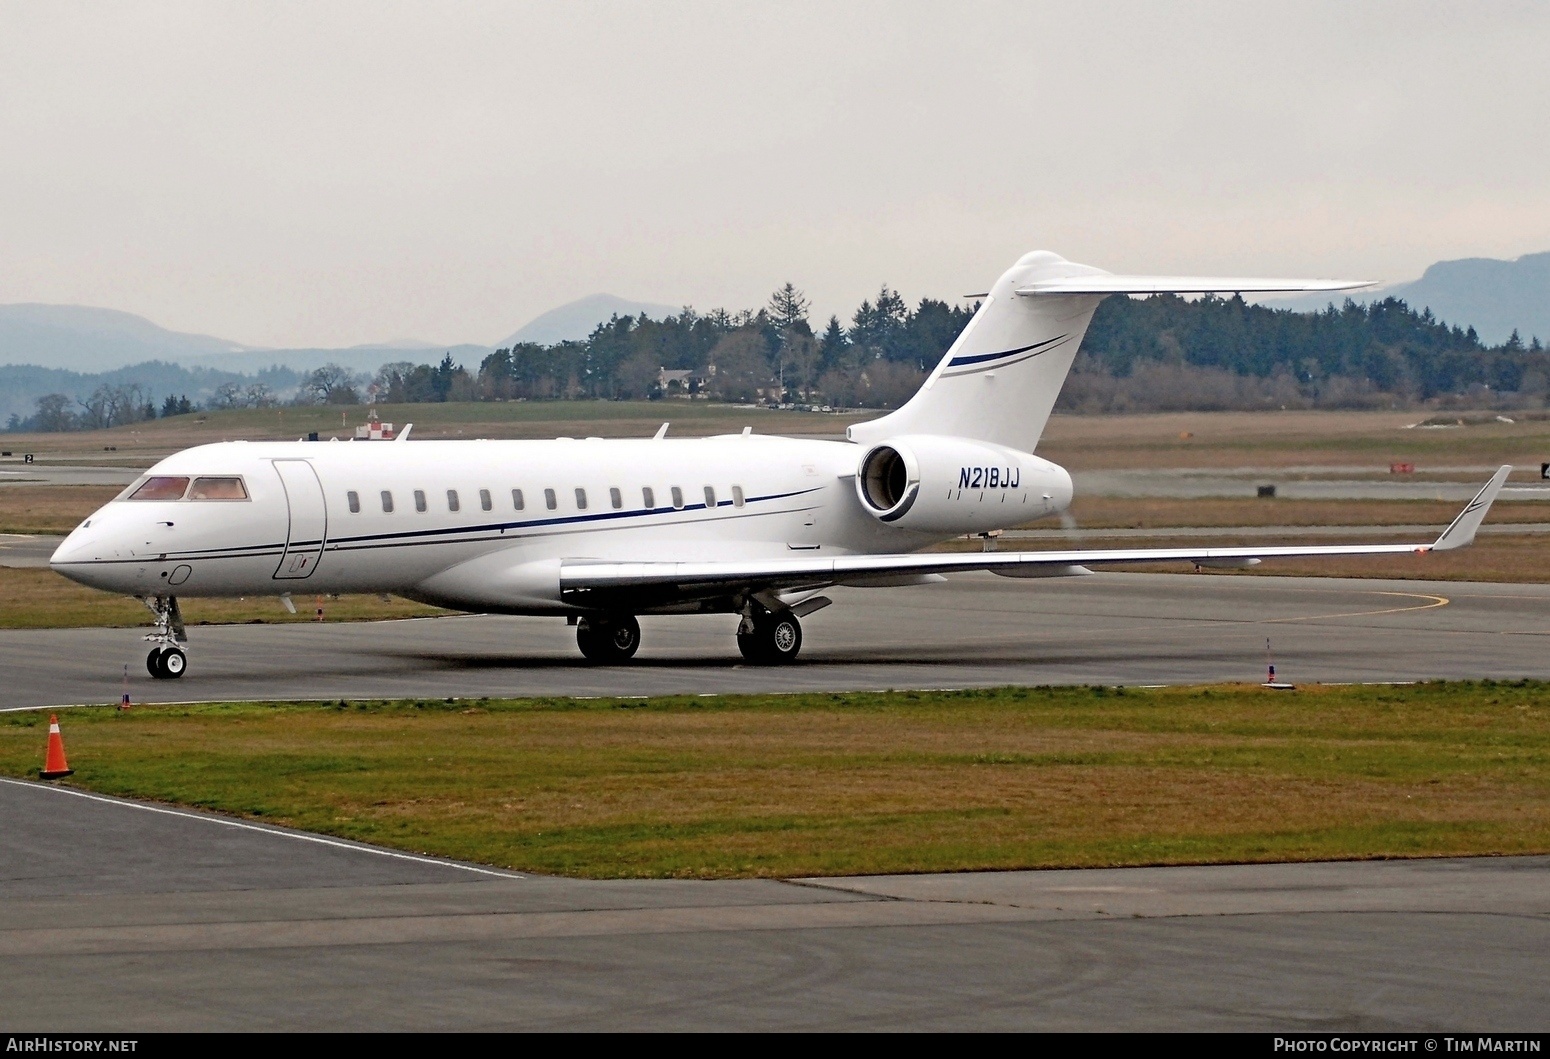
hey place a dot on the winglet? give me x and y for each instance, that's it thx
(1462, 530)
(403, 435)
(661, 433)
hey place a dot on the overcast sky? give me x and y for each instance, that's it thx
(338, 173)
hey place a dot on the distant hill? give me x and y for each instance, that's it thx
(88, 340)
(576, 320)
(22, 384)
(1494, 297)
(365, 359)
(85, 339)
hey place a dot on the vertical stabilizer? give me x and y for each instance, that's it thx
(1000, 379)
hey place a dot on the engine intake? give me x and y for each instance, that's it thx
(953, 485)
(889, 481)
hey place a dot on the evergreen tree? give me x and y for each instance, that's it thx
(832, 346)
(788, 309)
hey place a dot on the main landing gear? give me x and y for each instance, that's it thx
(769, 638)
(608, 639)
(167, 660)
(766, 637)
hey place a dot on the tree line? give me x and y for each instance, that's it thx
(1140, 354)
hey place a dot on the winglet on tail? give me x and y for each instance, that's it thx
(1462, 530)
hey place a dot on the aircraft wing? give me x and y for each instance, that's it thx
(662, 582)
(1105, 283)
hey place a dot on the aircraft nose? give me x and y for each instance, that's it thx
(80, 546)
(79, 555)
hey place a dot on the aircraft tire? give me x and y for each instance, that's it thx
(610, 640)
(166, 663)
(174, 663)
(775, 639)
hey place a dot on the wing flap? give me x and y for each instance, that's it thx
(703, 579)
(576, 575)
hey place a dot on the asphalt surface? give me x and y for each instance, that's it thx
(974, 630)
(14, 472)
(27, 551)
(122, 917)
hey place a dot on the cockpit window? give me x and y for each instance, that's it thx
(160, 487)
(218, 489)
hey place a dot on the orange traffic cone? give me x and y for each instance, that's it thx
(54, 765)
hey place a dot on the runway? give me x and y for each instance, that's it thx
(130, 918)
(976, 630)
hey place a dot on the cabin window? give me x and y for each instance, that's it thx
(710, 497)
(649, 497)
(218, 489)
(516, 499)
(678, 498)
(387, 501)
(161, 488)
(550, 500)
(615, 497)
(419, 500)
(485, 503)
(737, 496)
(581, 499)
(355, 501)
(452, 501)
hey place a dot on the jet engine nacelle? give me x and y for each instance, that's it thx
(953, 485)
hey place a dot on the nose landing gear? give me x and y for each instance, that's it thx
(166, 663)
(167, 660)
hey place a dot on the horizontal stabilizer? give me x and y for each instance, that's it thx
(1104, 283)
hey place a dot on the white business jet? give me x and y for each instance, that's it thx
(600, 531)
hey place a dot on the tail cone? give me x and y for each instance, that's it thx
(54, 765)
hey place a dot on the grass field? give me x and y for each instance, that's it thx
(41, 599)
(50, 508)
(1291, 439)
(37, 599)
(1108, 512)
(858, 783)
(1176, 439)
(60, 508)
(1491, 558)
(143, 443)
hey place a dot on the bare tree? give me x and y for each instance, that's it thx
(259, 395)
(54, 413)
(111, 406)
(742, 369)
(227, 395)
(330, 384)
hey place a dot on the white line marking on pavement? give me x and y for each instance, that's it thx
(298, 836)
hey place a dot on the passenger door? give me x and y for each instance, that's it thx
(308, 519)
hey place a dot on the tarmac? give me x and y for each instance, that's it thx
(123, 917)
(974, 630)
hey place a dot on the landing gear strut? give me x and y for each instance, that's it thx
(608, 639)
(167, 660)
(769, 638)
